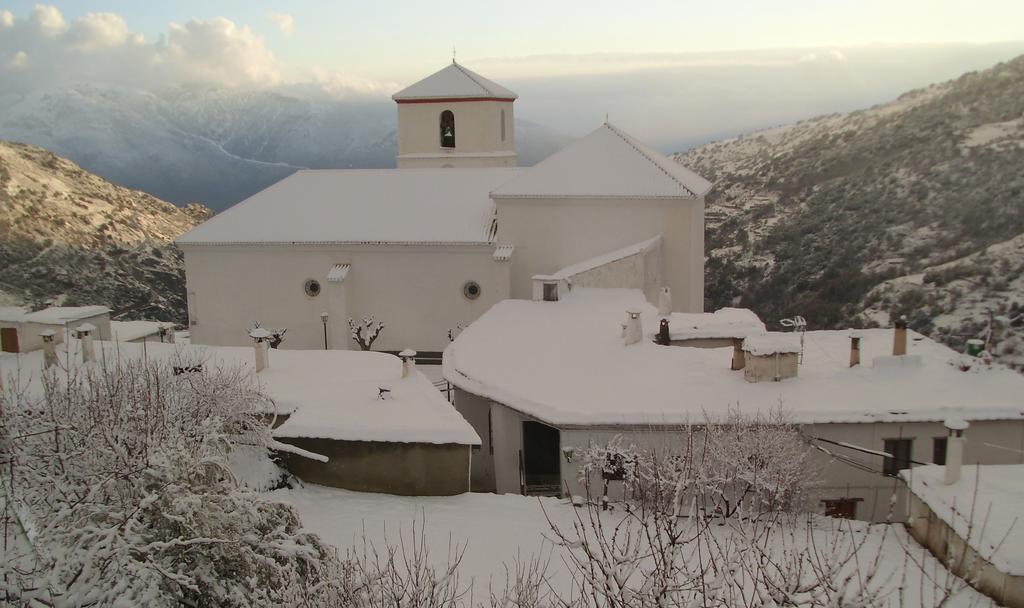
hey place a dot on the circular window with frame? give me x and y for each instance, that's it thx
(311, 287)
(471, 289)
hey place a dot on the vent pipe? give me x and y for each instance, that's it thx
(665, 302)
(261, 342)
(634, 329)
(84, 334)
(899, 338)
(408, 357)
(49, 348)
(954, 448)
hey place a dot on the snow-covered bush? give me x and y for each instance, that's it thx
(118, 493)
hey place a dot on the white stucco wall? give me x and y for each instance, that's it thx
(549, 234)
(477, 130)
(835, 479)
(415, 290)
(30, 340)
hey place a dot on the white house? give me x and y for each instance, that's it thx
(539, 380)
(430, 246)
(20, 328)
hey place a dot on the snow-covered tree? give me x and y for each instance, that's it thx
(116, 481)
(366, 332)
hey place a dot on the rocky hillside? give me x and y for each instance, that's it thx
(914, 207)
(69, 235)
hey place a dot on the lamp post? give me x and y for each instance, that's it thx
(323, 319)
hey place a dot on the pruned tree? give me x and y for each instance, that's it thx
(366, 332)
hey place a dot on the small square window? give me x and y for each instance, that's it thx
(901, 450)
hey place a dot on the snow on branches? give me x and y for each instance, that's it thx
(118, 474)
(366, 332)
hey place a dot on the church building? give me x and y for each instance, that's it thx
(457, 227)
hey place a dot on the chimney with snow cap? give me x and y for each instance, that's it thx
(49, 348)
(408, 357)
(634, 331)
(899, 337)
(665, 302)
(261, 340)
(954, 448)
(84, 334)
(854, 348)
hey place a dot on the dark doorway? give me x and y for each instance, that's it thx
(9, 340)
(542, 473)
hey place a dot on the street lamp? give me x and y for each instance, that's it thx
(323, 319)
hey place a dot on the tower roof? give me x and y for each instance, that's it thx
(607, 163)
(454, 82)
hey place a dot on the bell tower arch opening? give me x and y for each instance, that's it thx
(447, 124)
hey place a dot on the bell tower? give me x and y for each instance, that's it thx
(455, 118)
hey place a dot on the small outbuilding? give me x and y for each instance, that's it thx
(20, 328)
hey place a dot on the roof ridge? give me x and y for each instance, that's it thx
(469, 75)
(633, 145)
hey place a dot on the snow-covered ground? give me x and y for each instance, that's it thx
(496, 528)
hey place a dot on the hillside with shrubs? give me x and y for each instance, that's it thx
(915, 207)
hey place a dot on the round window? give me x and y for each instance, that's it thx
(312, 288)
(471, 289)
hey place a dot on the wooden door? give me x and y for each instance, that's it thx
(9, 340)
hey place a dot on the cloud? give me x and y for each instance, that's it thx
(19, 60)
(43, 50)
(48, 19)
(283, 21)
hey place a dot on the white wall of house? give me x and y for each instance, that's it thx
(30, 340)
(416, 291)
(836, 480)
(549, 234)
(478, 134)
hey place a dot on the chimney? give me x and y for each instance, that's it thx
(739, 360)
(954, 448)
(49, 348)
(261, 337)
(854, 348)
(899, 338)
(408, 357)
(84, 333)
(664, 335)
(664, 302)
(634, 331)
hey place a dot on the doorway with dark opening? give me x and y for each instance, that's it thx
(541, 467)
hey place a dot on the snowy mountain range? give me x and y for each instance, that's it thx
(215, 146)
(915, 207)
(68, 235)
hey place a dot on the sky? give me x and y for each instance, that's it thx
(832, 51)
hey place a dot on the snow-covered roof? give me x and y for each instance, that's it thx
(724, 323)
(55, 315)
(606, 258)
(566, 363)
(991, 496)
(607, 163)
(126, 331)
(330, 394)
(772, 343)
(454, 81)
(362, 206)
